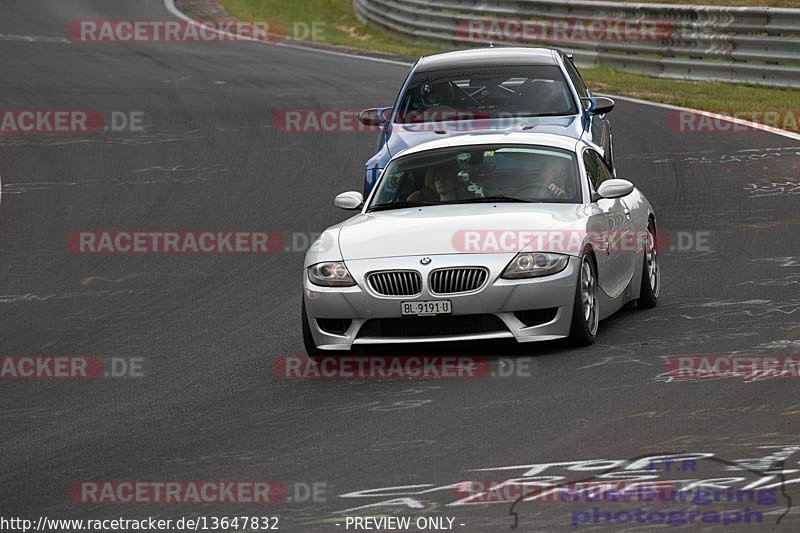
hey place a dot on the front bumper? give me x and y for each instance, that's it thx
(497, 299)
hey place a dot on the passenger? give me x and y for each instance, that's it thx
(555, 173)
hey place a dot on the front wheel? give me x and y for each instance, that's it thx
(651, 272)
(585, 312)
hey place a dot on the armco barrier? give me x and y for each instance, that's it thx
(757, 45)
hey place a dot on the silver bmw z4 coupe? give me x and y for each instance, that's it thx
(527, 236)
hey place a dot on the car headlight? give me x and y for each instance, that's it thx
(332, 274)
(534, 265)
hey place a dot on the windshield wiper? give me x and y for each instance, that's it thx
(397, 205)
(498, 198)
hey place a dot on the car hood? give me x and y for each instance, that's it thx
(410, 135)
(452, 229)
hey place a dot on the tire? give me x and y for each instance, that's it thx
(585, 311)
(651, 272)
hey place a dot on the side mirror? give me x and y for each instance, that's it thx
(349, 200)
(375, 116)
(597, 105)
(615, 188)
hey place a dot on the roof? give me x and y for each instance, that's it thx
(477, 139)
(482, 56)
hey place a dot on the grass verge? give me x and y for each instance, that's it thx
(341, 27)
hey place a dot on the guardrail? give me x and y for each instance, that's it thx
(759, 46)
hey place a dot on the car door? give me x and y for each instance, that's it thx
(620, 258)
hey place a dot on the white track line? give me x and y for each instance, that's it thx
(170, 5)
(33, 38)
(715, 116)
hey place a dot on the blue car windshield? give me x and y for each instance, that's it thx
(473, 174)
(486, 93)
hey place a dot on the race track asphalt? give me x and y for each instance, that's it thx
(208, 327)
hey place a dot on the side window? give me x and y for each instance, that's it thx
(596, 169)
(583, 92)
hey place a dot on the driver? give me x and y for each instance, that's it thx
(447, 184)
(437, 94)
(441, 184)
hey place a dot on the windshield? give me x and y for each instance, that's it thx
(493, 173)
(488, 92)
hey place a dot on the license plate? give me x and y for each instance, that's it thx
(430, 307)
